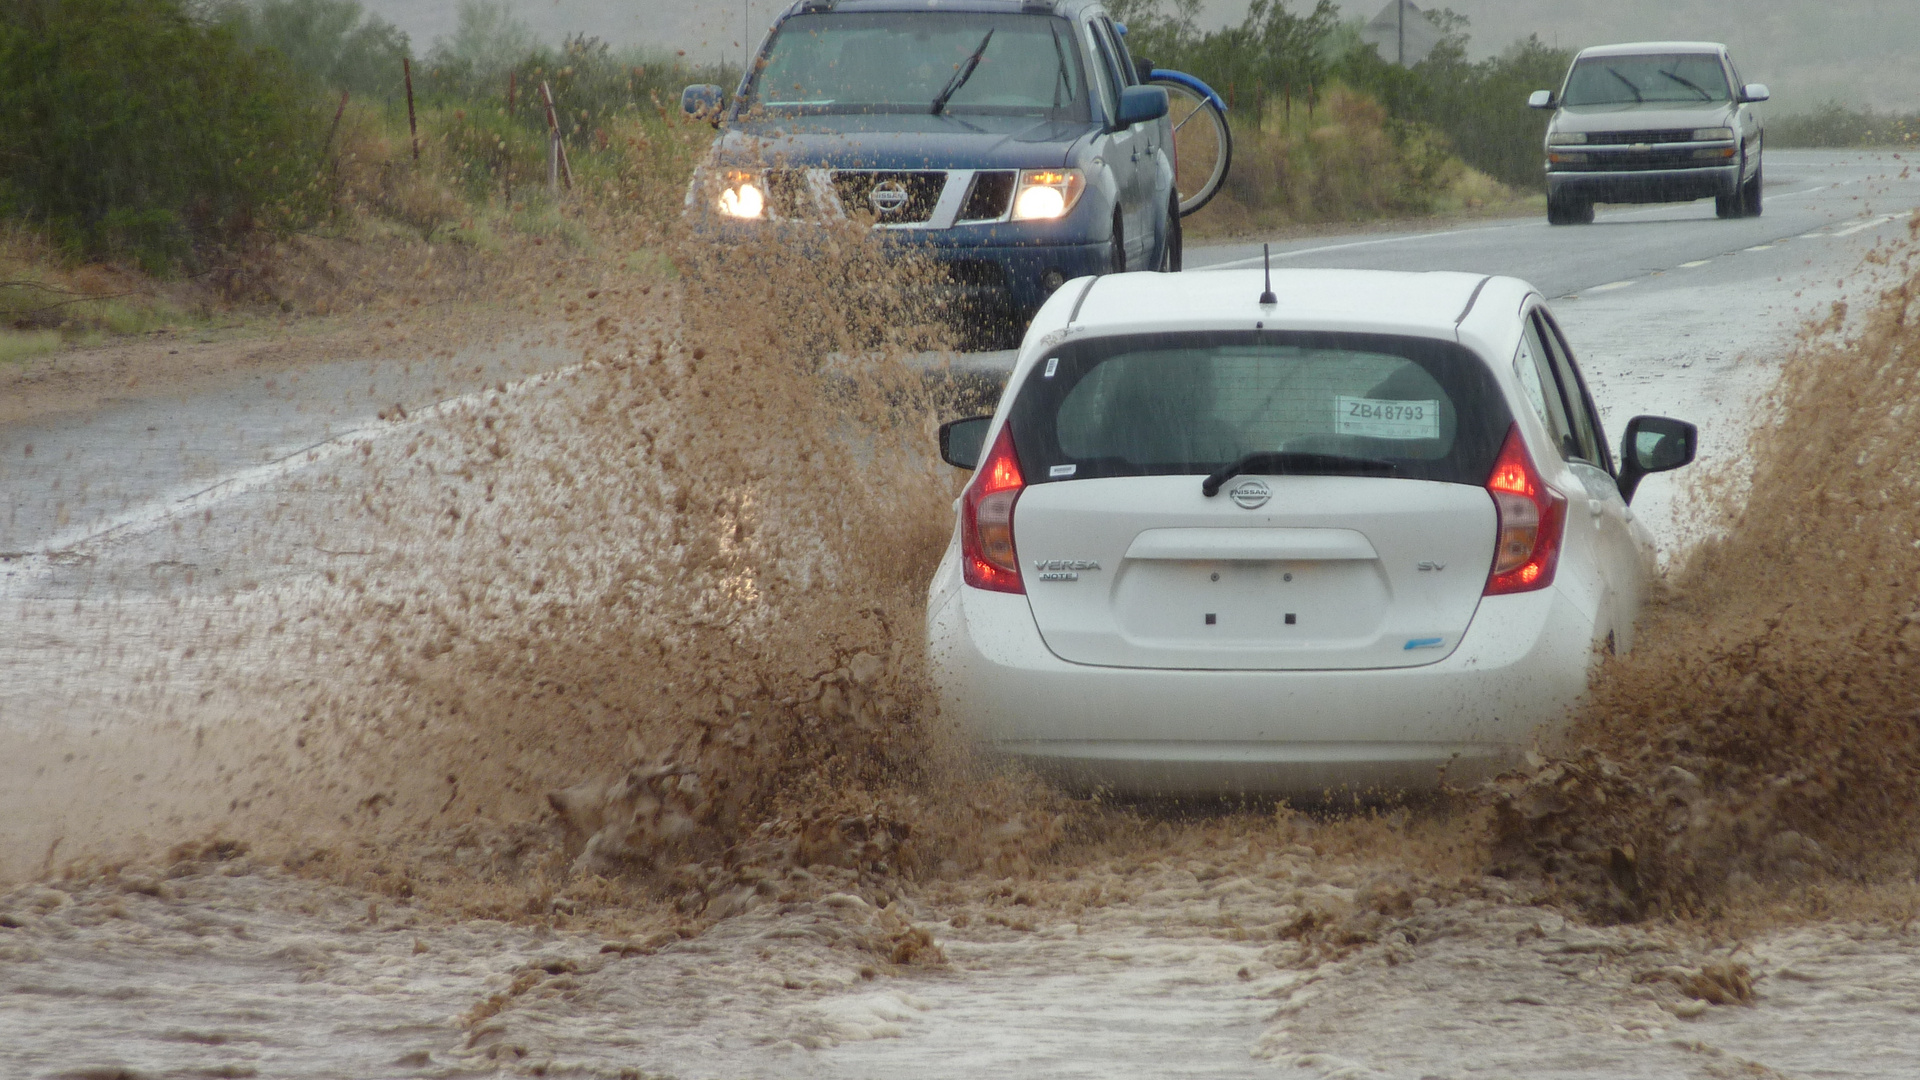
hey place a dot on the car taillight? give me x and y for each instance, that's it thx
(986, 521)
(1532, 521)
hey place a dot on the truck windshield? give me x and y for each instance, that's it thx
(1670, 79)
(903, 62)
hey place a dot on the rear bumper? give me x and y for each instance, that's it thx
(1654, 185)
(1522, 664)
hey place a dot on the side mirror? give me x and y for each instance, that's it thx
(1654, 444)
(1139, 104)
(962, 441)
(1754, 91)
(703, 102)
(1540, 99)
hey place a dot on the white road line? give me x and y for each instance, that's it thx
(1612, 285)
(1694, 263)
(1872, 224)
(1761, 247)
(204, 495)
(1255, 260)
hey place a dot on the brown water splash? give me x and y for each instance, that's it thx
(1765, 733)
(674, 597)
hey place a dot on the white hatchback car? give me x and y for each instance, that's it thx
(1353, 532)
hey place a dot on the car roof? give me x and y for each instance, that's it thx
(1057, 7)
(1638, 48)
(1386, 301)
(1478, 311)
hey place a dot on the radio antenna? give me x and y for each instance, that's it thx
(1267, 299)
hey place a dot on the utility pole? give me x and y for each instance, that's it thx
(1400, 9)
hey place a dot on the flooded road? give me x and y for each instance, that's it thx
(167, 591)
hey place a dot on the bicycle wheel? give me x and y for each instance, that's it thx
(1202, 144)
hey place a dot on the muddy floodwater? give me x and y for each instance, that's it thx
(561, 710)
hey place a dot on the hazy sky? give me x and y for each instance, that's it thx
(1859, 51)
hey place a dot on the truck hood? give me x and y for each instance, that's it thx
(1652, 116)
(902, 141)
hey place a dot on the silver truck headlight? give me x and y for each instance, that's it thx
(1567, 138)
(1713, 134)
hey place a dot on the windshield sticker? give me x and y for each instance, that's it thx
(1380, 419)
(1053, 365)
(1058, 471)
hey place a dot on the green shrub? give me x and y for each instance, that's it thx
(1275, 55)
(130, 127)
(1835, 125)
(1481, 107)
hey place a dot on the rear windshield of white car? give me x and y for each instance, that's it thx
(904, 61)
(1330, 404)
(1670, 79)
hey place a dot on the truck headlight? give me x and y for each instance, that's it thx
(1717, 134)
(742, 197)
(1045, 194)
(1567, 138)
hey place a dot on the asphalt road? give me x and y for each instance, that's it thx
(1814, 195)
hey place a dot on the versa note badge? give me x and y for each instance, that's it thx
(1250, 494)
(888, 197)
(1063, 569)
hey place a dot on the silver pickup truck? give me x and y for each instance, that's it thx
(1652, 121)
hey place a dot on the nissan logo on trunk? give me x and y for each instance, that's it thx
(888, 197)
(1250, 494)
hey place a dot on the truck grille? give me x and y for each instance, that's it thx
(1628, 138)
(857, 191)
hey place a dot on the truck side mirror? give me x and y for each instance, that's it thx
(1540, 99)
(1754, 92)
(1139, 104)
(1654, 444)
(702, 102)
(961, 441)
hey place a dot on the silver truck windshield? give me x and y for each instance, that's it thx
(1670, 79)
(906, 62)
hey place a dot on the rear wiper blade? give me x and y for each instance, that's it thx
(1295, 463)
(961, 76)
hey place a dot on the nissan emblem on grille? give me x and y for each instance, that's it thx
(888, 197)
(1250, 494)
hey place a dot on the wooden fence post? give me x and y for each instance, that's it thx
(327, 147)
(557, 163)
(413, 129)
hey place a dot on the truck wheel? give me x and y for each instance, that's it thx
(1733, 204)
(1750, 195)
(1171, 257)
(1569, 211)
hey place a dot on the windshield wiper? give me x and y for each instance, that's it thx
(961, 76)
(1295, 463)
(1704, 96)
(1634, 90)
(1060, 55)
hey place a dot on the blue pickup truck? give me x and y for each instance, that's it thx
(1015, 141)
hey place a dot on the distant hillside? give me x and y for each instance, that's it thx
(1858, 51)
